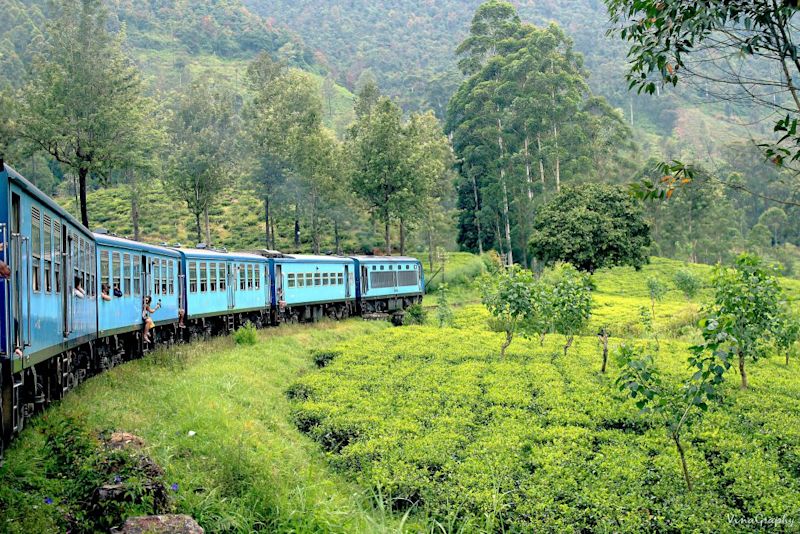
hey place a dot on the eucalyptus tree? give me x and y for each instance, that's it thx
(203, 137)
(84, 105)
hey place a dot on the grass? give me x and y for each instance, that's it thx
(246, 466)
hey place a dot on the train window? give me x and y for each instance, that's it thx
(57, 255)
(340, 277)
(381, 280)
(290, 280)
(242, 280)
(325, 279)
(301, 280)
(249, 277)
(116, 271)
(382, 267)
(257, 277)
(137, 275)
(309, 279)
(223, 277)
(407, 278)
(192, 277)
(105, 273)
(203, 276)
(163, 277)
(36, 247)
(92, 269)
(171, 276)
(317, 279)
(126, 274)
(213, 271)
(48, 253)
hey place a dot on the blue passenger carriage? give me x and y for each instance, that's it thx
(388, 283)
(224, 290)
(311, 287)
(129, 272)
(49, 303)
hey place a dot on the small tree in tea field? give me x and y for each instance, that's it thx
(678, 407)
(571, 302)
(687, 283)
(656, 289)
(787, 331)
(602, 337)
(507, 295)
(746, 310)
(444, 313)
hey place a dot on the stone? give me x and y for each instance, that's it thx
(122, 440)
(161, 524)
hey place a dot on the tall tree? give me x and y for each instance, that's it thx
(84, 105)
(203, 139)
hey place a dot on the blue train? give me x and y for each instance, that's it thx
(75, 303)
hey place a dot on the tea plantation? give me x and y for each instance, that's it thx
(444, 429)
(358, 426)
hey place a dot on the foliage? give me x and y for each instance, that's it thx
(678, 408)
(591, 227)
(444, 313)
(743, 318)
(687, 283)
(508, 295)
(246, 334)
(416, 315)
(85, 104)
(570, 302)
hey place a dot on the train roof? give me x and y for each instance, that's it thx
(385, 259)
(207, 253)
(18, 179)
(311, 258)
(112, 240)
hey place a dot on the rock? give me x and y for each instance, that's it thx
(161, 524)
(121, 440)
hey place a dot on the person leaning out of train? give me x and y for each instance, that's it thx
(117, 291)
(104, 293)
(148, 321)
(78, 290)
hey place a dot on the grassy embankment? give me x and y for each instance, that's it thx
(431, 424)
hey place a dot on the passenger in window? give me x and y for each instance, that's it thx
(148, 321)
(104, 293)
(117, 291)
(78, 290)
(5, 270)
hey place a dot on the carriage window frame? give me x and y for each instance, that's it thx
(137, 275)
(290, 280)
(223, 276)
(171, 276)
(203, 276)
(57, 256)
(256, 276)
(105, 268)
(164, 284)
(340, 278)
(36, 246)
(192, 266)
(116, 270)
(47, 227)
(213, 275)
(126, 274)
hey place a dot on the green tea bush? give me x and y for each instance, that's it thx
(687, 283)
(246, 335)
(324, 357)
(415, 314)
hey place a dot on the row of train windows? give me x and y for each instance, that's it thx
(212, 276)
(391, 267)
(47, 256)
(314, 279)
(385, 279)
(123, 274)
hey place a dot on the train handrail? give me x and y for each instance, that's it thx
(26, 240)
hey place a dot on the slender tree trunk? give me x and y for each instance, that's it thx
(272, 232)
(82, 174)
(208, 230)
(477, 219)
(266, 220)
(603, 337)
(742, 371)
(528, 179)
(682, 454)
(506, 218)
(336, 239)
(402, 238)
(506, 343)
(315, 223)
(558, 160)
(387, 235)
(430, 242)
(499, 235)
(198, 227)
(134, 185)
(297, 223)
(570, 339)
(541, 157)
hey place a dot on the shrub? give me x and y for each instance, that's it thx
(571, 302)
(444, 313)
(246, 335)
(687, 283)
(324, 357)
(415, 314)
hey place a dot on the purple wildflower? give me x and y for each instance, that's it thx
(117, 479)
(174, 486)
(48, 500)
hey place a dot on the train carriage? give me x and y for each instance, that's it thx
(223, 290)
(129, 271)
(49, 303)
(388, 283)
(311, 287)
